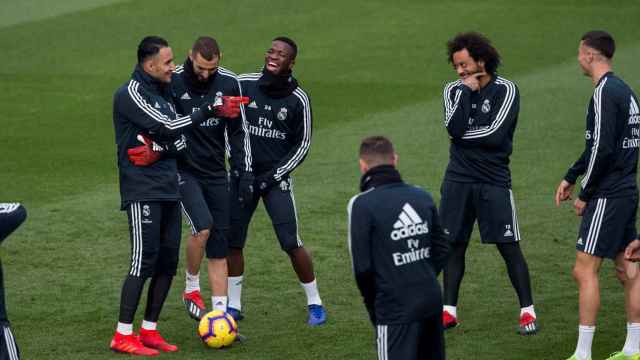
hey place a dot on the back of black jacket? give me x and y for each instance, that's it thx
(397, 247)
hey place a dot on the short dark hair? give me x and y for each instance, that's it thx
(478, 46)
(601, 41)
(289, 42)
(377, 150)
(150, 46)
(207, 47)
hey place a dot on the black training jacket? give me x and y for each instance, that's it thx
(397, 248)
(144, 106)
(609, 161)
(207, 143)
(481, 126)
(280, 128)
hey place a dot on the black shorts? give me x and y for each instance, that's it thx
(414, 341)
(494, 207)
(205, 203)
(154, 227)
(608, 226)
(281, 207)
(8, 347)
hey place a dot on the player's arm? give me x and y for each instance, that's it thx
(301, 136)
(504, 112)
(359, 241)
(439, 243)
(457, 108)
(132, 105)
(599, 154)
(238, 136)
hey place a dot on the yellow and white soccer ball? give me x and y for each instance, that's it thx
(217, 329)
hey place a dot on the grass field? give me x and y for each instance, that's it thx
(371, 67)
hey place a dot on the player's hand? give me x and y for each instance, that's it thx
(229, 106)
(245, 188)
(579, 205)
(563, 192)
(144, 155)
(263, 182)
(632, 252)
(473, 80)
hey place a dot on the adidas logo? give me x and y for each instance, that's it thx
(508, 232)
(580, 242)
(157, 106)
(185, 96)
(253, 105)
(409, 223)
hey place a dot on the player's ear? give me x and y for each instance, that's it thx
(293, 62)
(481, 64)
(191, 55)
(363, 166)
(395, 159)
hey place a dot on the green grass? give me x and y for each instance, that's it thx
(371, 67)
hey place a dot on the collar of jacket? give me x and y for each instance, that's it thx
(277, 86)
(149, 82)
(191, 79)
(378, 176)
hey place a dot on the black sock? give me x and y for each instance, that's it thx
(518, 271)
(158, 291)
(130, 297)
(453, 273)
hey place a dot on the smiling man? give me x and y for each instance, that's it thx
(481, 112)
(279, 124)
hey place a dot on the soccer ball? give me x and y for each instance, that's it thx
(217, 329)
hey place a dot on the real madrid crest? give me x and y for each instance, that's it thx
(486, 107)
(146, 211)
(282, 114)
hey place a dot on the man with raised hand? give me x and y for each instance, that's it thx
(279, 122)
(143, 112)
(608, 199)
(203, 175)
(11, 216)
(481, 112)
(397, 248)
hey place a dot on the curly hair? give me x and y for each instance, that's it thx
(478, 46)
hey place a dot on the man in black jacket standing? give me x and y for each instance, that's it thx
(398, 248)
(279, 122)
(146, 126)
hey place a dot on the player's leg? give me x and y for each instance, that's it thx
(197, 214)
(498, 223)
(280, 204)
(627, 273)
(165, 270)
(399, 341)
(431, 345)
(144, 230)
(457, 214)
(240, 218)
(9, 349)
(217, 247)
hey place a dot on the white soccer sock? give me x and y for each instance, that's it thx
(585, 338)
(451, 310)
(528, 309)
(632, 344)
(234, 291)
(219, 303)
(193, 282)
(125, 329)
(149, 325)
(313, 296)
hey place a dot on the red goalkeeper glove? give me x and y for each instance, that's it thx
(144, 155)
(229, 106)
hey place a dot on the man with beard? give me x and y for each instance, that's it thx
(143, 112)
(279, 122)
(481, 112)
(203, 175)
